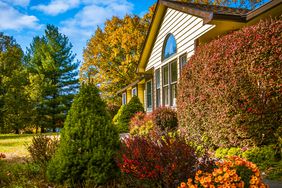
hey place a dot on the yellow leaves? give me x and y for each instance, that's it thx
(114, 52)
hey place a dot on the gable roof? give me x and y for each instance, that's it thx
(207, 12)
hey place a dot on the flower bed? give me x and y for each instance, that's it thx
(232, 172)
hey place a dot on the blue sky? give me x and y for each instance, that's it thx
(78, 19)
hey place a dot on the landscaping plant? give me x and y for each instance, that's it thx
(229, 93)
(165, 118)
(142, 124)
(126, 112)
(232, 172)
(163, 162)
(88, 143)
(43, 148)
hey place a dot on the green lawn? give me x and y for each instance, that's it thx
(14, 145)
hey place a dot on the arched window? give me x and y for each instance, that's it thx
(169, 47)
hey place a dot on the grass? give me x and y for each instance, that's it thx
(16, 170)
(15, 145)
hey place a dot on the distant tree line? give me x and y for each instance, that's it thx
(36, 88)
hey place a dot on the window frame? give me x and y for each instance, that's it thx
(165, 86)
(181, 64)
(134, 91)
(149, 108)
(170, 84)
(123, 100)
(165, 44)
(158, 87)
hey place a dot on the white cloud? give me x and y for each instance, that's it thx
(22, 3)
(56, 7)
(94, 13)
(10, 18)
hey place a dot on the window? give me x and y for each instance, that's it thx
(158, 88)
(134, 92)
(182, 61)
(123, 98)
(170, 83)
(149, 95)
(169, 47)
(165, 86)
(173, 84)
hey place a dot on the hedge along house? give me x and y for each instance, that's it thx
(177, 28)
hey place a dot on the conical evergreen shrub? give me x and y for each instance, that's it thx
(88, 143)
(126, 112)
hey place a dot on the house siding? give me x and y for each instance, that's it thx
(185, 29)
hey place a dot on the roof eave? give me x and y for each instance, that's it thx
(262, 9)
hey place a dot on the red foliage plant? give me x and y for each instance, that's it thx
(139, 119)
(164, 161)
(230, 90)
(165, 118)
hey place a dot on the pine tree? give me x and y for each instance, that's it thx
(14, 103)
(88, 143)
(53, 77)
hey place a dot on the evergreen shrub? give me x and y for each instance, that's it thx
(126, 112)
(89, 142)
(230, 90)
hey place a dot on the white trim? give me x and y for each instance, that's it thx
(134, 91)
(149, 109)
(123, 98)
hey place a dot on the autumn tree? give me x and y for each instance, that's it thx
(250, 4)
(53, 77)
(111, 55)
(14, 103)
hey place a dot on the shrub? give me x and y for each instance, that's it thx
(88, 143)
(231, 88)
(224, 152)
(112, 109)
(263, 156)
(162, 162)
(141, 124)
(233, 172)
(165, 118)
(126, 112)
(43, 148)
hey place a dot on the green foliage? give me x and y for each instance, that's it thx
(14, 103)
(19, 174)
(223, 152)
(165, 118)
(126, 112)
(42, 149)
(52, 76)
(231, 88)
(112, 109)
(262, 156)
(88, 143)
(267, 158)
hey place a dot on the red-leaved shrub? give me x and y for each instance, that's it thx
(164, 162)
(165, 118)
(142, 124)
(230, 91)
